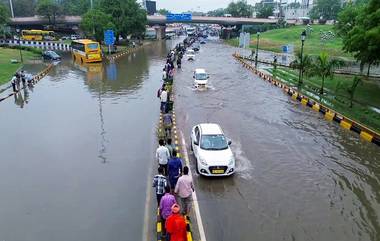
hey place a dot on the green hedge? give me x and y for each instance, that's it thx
(26, 48)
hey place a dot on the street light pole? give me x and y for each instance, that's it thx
(11, 6)
(257, 49)
(19, 44)
(303, 37)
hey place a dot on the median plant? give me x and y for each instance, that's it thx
(324, 66)
(304, 63)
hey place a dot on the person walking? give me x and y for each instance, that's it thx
(162, 156)
(167, 201)
(13, 83)
(170, 146)
(23, 78)
(184, 188)
(164, 99)
(174, 169)
(176, 225)
(167, 121)
(164, 76)
(160, 183)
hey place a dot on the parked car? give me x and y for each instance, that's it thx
(200, 77)
(202, 41)
(212, 150)
(51, 55)
(74, 37)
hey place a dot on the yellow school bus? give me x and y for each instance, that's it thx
(86, 51)
(37, 35)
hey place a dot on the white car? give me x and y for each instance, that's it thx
(190, 54)
(212, 150)
(200, 77)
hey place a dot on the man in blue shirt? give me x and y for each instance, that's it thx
(174, 169)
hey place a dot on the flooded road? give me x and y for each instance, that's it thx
(298, 176)
(76, 150)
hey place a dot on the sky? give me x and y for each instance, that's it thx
(194, 5)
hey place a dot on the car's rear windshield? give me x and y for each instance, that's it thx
(213, 142)
(93, 46)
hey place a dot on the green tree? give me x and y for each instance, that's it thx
(323, 66)
(325, 9)
(240, 9)
(362, 37)
(163, 11)
(22, 8)
(75, 7)
(48, 8)
(95, 22)
(305, 64)
(4, 18)
(217, 12)
(4, 14)
(264, 10)
(127, 16)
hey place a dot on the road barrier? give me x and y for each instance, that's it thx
(37, 44)
(329, 114)
(35, 80)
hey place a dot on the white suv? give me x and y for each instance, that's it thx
(212, 150)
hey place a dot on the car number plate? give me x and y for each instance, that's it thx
(217, 171)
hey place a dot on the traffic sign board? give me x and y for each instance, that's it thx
(178, 17)
(109, 37)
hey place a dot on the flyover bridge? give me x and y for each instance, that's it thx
(152, 20)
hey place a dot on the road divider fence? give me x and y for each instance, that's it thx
(331, 115)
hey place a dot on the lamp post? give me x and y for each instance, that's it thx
(257, 48)
(303, 37)
(19, 44)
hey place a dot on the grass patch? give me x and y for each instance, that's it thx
(7, 69)
(273, 40)
(365, 101)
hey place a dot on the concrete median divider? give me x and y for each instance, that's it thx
(331, 115)
(180, 148)
(116, 56)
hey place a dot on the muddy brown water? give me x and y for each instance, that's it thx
(75, 160)
(298, 176)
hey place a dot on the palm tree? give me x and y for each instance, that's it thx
(304, 63)
(324, 66)
(351, 90)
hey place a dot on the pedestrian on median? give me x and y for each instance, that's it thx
(160, 183)
(23, 78)
(18, 80)
(184, 188)
(13, 83)
(166, 204)
(176, 225)
(170, 146)
(168, 124)
(174, 169)
(164, 100)
(164, 75)
(162, 156)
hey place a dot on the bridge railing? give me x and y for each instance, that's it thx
(37, 44)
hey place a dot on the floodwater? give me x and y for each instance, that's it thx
(298, 176)
(76, 151)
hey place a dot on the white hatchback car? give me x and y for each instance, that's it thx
(212, 150)
(190, 54)
(200, 77)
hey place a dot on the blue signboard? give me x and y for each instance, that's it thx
(181, 17)
(109, 37)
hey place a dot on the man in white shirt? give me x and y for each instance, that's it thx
(13, 82)
(164, 75)
(164, 99)
(162, 156)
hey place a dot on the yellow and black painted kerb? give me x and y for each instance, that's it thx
(329, 114)
(179, 148)
(36, 79)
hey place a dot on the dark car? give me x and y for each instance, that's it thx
(51, 55)
(196, 47)
(202, 41)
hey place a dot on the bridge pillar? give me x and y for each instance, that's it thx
(160, 31)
